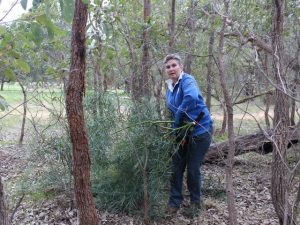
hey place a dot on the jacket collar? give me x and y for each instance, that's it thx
(170, 82)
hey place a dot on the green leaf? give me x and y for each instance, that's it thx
(38, 33)
(67, 9)
(44, 20)
(22, 65)
(9, 74)
(24, 4)
(50, 26)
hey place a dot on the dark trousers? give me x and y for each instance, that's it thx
(189, 156)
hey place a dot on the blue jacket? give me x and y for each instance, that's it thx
(185, 103)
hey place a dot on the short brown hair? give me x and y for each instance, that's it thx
(172, 56)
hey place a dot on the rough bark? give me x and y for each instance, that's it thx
(280, 177)
(172, 26)
(209, 69)
(144, 83)
(3, 213)
(229, 108)
(191, 37)
(87, 213)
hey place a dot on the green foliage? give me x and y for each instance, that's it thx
(8, 73)
(67, 9)
(22, 65)
(138, 151)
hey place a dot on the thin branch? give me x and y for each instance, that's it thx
(13, 5)
(252, 97)
(16, 207)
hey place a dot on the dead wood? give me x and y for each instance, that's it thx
(260, 142)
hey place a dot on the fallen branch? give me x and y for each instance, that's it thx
(259, 142)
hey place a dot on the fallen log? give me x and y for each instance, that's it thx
(260, 142)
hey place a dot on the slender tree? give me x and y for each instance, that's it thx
(209, 68)
(144, 78)
(74, 96)
(229, 109)
(171, 26)
(24, 112)
(280, 174)
(191, 37)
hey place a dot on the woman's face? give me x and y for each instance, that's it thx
(173, 69)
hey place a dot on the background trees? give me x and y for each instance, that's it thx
(257, 57)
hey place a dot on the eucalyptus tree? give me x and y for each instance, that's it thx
(74, 96)
(229, 109)
(280, 177)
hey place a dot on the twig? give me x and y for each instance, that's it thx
(9, 10)
(16, 207)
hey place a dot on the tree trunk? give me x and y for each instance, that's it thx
(293, 102)
(158, 85)
(209, 69)
(267, 99)
(24, 113)
(280, 177)
(76, 87)
(229, 108)
(191, 38)
(224, 121)
(3, 213)
(294, 88)
(2, 84)
(172, 26)
(144, 83)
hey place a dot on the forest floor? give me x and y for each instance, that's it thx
(251, 183)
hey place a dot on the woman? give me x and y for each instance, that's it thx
(186, 104)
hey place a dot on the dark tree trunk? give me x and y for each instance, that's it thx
(76, 87)
(229, 108)
(191, 38)
(2, 84)
(3, 213)
(280, 177)
(172, 26)
(209, 69)
(144, 83)
(24, 113)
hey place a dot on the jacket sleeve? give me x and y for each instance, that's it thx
(190, 95)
